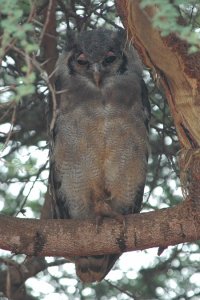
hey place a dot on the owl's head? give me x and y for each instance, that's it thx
(98, 55)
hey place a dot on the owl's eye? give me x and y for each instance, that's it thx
(110, 58)
(82, 60)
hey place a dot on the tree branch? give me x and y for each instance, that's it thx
(48, 39)
(12, 280)
(177, 70)
(160, 228)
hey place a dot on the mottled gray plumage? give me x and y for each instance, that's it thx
(100, 140)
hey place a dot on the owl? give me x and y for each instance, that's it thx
(99, 146)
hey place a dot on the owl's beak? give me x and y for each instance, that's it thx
(97, 74)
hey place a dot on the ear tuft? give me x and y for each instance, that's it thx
(121, 34)
(71, 38)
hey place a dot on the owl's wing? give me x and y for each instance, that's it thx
(146, 104)
(59, 208)
(147, 115)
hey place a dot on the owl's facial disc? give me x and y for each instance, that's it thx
(96, 67)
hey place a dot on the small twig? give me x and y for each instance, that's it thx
(46, 21)
(32, 13)
(121, 290)
(25, 199)
(47, 80)
(11, 127)
(8, 106)
(58, 262)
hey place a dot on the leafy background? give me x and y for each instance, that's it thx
(24, 164)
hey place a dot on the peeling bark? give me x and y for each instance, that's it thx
(178, 72)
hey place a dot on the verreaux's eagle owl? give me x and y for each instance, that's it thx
(99, 148)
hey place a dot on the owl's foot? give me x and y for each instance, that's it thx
(118, 217)
(121, 219)
(103, 209)
(99, 220)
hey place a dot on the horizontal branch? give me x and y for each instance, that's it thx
(160, 228)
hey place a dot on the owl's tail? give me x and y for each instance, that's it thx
(94, 268)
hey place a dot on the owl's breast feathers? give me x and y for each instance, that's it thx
(101, 148)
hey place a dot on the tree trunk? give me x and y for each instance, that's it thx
(179, 74)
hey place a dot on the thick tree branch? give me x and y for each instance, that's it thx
(70, 238)
(168, 57)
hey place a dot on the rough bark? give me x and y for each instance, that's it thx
(179, 74)
(73, 238)
(12, 280)
(168, 58)
(48, 40)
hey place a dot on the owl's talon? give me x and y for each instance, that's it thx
(124, 225)
(121, 219)
(99, 220)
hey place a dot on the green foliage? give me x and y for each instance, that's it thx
(16, 32)
(168, 19)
